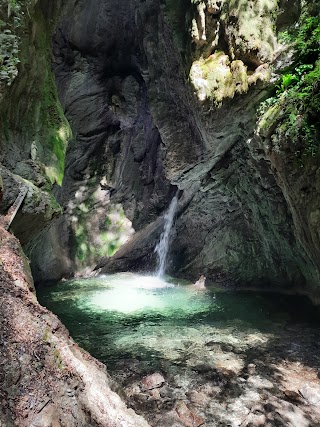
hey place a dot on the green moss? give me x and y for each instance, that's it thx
(47, 335)
(38, 199)
(47, 338)
(268, 119)
(55, 128)
(57, 358)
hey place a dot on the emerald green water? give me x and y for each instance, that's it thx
(130, 317)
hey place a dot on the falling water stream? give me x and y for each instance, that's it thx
(162, 247)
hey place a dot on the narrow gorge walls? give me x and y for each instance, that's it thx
(162, 96)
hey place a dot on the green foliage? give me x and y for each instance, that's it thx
(287, 80)
(92, 243)
(299, 121)
(308, 38)
(293, 78)
(305, 36)
(297, 99)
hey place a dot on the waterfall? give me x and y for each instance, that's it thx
(162, 247)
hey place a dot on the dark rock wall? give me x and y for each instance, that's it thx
(142, 130)
(99, 68)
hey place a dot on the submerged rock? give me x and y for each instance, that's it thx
(311, 394)
(152, 381)
(188, 417)
(200, 284)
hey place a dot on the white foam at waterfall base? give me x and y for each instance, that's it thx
(131, 293)
(162, 247)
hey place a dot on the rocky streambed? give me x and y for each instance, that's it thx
(183, 358)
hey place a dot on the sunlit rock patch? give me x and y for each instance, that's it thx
(215, 78)
(231, 40)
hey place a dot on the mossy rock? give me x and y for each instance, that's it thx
(268, 121)
(32, 124)
(216, 79)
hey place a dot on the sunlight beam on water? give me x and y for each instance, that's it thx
(133, 280)
(125, 300)
(133, 293)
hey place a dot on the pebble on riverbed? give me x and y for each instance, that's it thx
(188, 417)
(152, 381)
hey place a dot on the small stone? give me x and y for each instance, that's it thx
(311, 394)
(132, 390)
(154, 394)
(292, 395)
(188, 418)
(251, 369)
(198, 398)
(155, 380)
